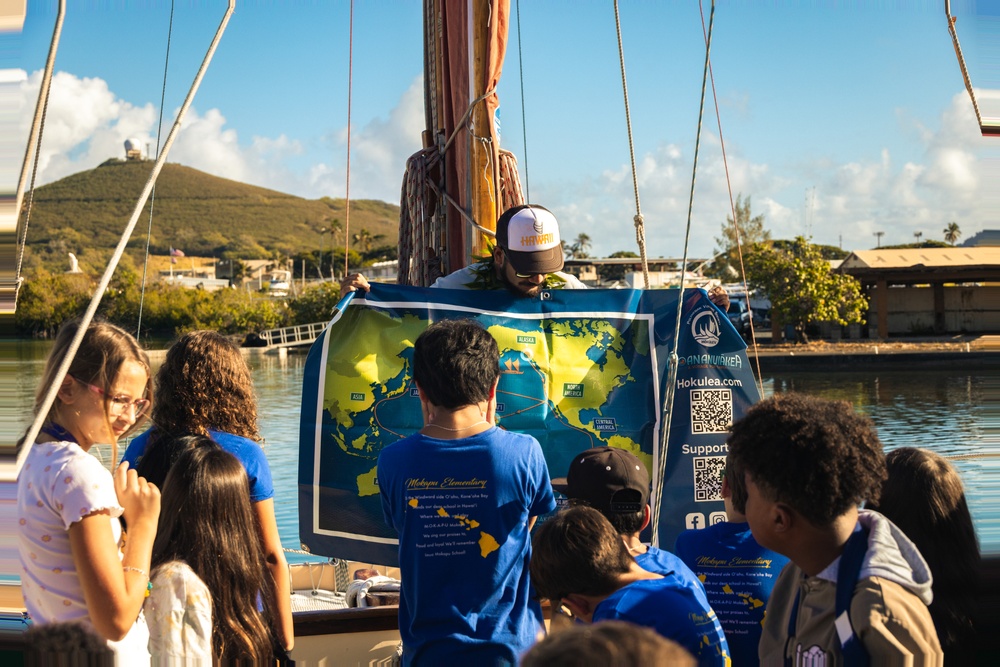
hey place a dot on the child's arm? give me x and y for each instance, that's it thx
(278, 567)
(115, 589)
(894, 625)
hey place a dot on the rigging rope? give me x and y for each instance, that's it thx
(88, 315)
(347, 194)
(640, 228)
(524, 122)
(152, 194)
(732, 208)
(961, 60)
(35, 144)
(668, 403)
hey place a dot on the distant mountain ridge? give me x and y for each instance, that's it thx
(195, 212)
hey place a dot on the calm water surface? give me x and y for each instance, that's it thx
(940, 410)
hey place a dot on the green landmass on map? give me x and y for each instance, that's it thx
(571, 368)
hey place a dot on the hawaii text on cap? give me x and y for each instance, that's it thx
(529, 235)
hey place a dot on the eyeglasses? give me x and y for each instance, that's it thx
(119, 404)
(519, 275)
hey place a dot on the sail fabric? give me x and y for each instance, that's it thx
(579, 369)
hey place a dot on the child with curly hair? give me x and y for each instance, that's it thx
(857, 589)
(207, 389)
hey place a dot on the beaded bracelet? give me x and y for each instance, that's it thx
(149, 584)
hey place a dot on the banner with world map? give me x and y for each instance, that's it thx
(579, 369)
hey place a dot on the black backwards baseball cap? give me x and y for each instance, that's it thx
(529, 235)
(608, 479)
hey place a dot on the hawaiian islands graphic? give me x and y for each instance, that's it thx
(487, 543)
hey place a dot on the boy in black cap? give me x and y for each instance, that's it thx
(616, 483)
(578, 560)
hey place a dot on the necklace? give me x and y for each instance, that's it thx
(456, 430)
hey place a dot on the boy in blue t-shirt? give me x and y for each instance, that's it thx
(616, 483)
(581, 562)
(737, 572)
(463, 495)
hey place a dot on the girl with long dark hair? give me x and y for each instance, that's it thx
(923, 495)
(208, 565)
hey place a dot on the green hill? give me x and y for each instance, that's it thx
(193, 211)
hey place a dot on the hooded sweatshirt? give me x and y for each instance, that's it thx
(888, 610)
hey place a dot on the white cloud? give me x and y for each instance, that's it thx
(379, 151)
(87, 123)
(953, 179)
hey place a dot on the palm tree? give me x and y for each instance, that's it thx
(579, 248)
(364, 239)
(952, 233)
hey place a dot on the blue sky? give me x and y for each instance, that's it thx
(840, 119)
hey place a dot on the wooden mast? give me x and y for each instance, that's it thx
(465, 45)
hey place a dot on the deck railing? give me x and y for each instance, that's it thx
(302, 334)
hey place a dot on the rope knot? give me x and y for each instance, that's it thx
(638, 220)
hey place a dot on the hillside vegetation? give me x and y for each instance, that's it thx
(195, 212)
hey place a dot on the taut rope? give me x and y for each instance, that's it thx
(640, 228)
(152, 195)
(347, 193)
(33, 149)
(668, 404)
(732, 208)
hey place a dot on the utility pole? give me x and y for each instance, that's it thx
(878, 236)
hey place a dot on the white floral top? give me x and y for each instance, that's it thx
(179, 614)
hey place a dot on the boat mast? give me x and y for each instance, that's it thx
(465, 43)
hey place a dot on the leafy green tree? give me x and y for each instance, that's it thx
(747, 231)
(316, 304)
(952, 233)
(802, 288)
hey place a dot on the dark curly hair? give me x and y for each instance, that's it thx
(203, 384)
(818, 456)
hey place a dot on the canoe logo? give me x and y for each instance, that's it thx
(705, 327)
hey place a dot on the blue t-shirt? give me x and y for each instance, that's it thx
(246, 450)
(672, 608)
(461, 508)
(738, 574)
(663, 562)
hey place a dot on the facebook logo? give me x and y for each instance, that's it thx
(695, 520)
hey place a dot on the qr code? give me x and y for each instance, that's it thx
(708, 472)
(711, 410)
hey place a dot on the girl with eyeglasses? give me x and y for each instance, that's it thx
(75, 565)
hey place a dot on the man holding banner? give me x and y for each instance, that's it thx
(527, 258)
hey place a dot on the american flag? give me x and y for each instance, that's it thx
(174, 254)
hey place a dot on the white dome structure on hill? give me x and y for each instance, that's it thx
(133, 149)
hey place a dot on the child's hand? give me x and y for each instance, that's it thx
(139, 498)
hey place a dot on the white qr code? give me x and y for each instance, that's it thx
(708, 472)
(711, 410)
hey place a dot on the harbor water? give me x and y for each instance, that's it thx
(945, 411)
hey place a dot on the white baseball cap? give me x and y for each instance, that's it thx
(529, 235)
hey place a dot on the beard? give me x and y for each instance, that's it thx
(523, 289)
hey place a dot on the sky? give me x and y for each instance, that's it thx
(840, 119)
